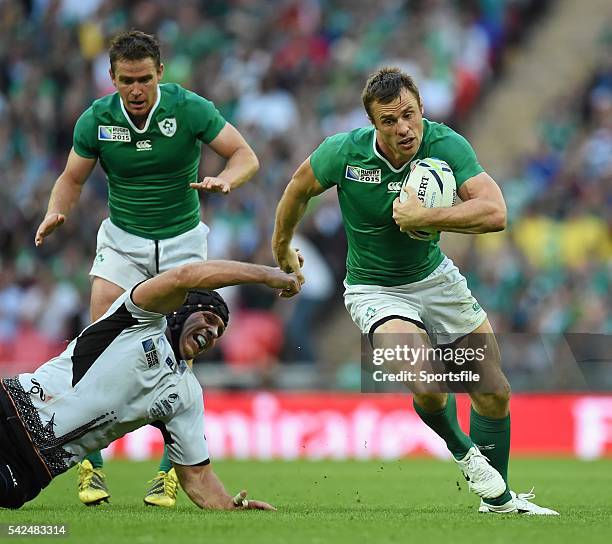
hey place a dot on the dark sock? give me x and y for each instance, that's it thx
(95, 458)
(493, 439)
(165, 465)
(444, 423)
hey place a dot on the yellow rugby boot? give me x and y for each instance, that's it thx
(92, 487)
(163, 489)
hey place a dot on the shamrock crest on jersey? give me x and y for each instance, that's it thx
(167, 126)
(166, 158)
(367, 185)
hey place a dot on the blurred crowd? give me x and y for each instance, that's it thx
(550, 272)
(288, 73)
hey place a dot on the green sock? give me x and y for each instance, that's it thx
(445, 424)
(165, 465)
(493, 439)
(95, 458)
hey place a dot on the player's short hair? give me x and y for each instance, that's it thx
(134, 45)
(386, 85)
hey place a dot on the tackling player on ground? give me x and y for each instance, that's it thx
(398, 285)
(148, 139)
(75, 403)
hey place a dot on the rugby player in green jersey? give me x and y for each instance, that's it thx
(148, 139)
(399, 285)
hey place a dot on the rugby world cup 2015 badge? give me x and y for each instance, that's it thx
(114, 134)
(167, 126)
(150, 352)
(362, 175)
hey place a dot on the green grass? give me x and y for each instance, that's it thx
(320, 502)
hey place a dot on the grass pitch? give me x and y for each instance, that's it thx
(320, 502)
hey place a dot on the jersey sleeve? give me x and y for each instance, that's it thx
(459, 154)
(325, 163)
(185, 439)
(145, 318)
(85, 138)
(206, 121)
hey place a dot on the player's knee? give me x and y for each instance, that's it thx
(503, 394)
(431, 402)
(500, 400)
(495, 405)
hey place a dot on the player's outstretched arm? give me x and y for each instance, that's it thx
(65, 194)
(166, 292)
(483, 210)
(242, 163)
(205, 489)
(290, 210)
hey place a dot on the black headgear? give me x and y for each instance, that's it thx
(199, 300)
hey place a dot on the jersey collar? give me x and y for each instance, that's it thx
(149, 117)
(383, 158)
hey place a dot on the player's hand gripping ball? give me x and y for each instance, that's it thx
(435, 186)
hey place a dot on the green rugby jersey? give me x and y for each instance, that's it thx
(367, 185)
(149, 169)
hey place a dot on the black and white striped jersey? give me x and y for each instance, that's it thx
(119, 374)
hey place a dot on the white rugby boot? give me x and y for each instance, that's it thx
(482, 478)
(518, 504)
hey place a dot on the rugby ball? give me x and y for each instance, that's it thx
(435, 186)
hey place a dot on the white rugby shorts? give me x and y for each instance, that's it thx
(441, 304)
(126, 259)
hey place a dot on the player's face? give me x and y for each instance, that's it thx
(200, 332)
(136, 81)
(399, 126)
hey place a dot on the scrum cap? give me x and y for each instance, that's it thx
(199, 300)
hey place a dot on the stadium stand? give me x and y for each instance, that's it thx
(302, 63)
